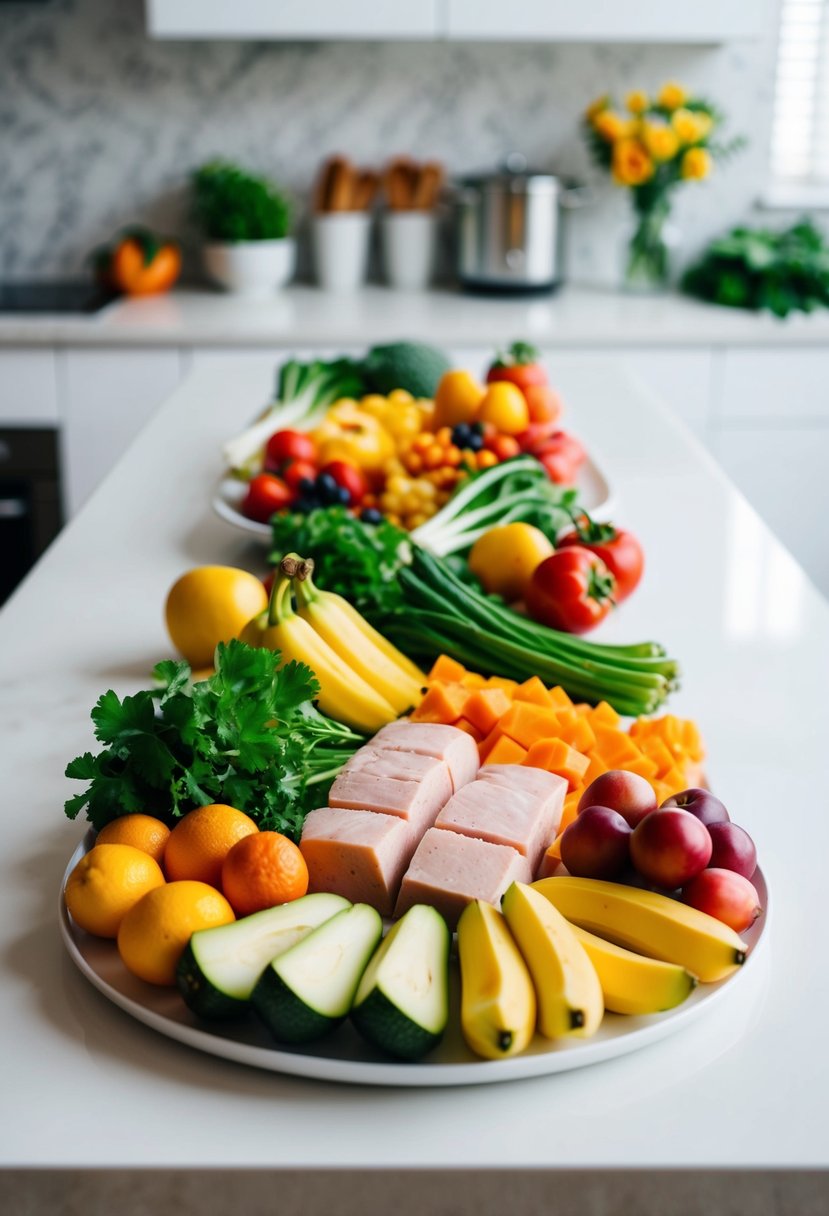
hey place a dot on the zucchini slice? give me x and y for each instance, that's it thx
(402, 1003)
(219, 967)
(310, 988)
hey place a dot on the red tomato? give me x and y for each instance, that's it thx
(519, 365)
(571, 590)
(543, 403)
(285, 446)
(536, 436)
(297, 471)
(350, 477)
(620, 551)
(266, 495)
(561, 455)
(504, 446)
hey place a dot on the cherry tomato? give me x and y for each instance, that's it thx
(519, 365)
(266, 495)
(296, 471)
(285, 446)
(619, 550)
(543, 403)
(504, 446)
(571, 590)
(349, 477)
(561, 455)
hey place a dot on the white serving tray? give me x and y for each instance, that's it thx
(344, 1057)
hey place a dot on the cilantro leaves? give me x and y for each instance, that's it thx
(249, 736)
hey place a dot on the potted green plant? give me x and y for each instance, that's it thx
(246, 220)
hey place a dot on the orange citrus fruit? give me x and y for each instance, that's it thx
(155, 931)
(208, 605)
(262, 871)
(457, 398)
(106, 883)
(143, 832)
(200, 842)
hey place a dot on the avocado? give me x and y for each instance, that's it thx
(413, 366)
(219, 966)
(402, 1003)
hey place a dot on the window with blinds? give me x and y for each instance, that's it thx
(800, 132)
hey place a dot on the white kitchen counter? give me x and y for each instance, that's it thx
(85, 1088)
(306, 316)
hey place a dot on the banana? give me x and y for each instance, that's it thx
(497, 996)
(569, 994)
(363, 648)
(634, 984)
(648, 923)
(344, 695)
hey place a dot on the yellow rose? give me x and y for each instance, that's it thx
(631, 164)
(596, 107)
(687, 125)
(660, 141)
(696, 164)
(672, 95)
(637, 102)
(704, 122)
(609, 125)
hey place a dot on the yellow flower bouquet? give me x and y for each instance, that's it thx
(651, 147)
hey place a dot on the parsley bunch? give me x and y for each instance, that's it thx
(249, 736)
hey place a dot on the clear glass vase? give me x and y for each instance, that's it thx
(650, 250)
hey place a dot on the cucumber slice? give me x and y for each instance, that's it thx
(220, 966)
(310, 988)
(402, 1003)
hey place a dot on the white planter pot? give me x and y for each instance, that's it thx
(340, 242)
(408, 248)
(251, 268)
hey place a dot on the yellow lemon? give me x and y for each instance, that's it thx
(208, 605)
(107, 883)
(457, 399)
(155, 931)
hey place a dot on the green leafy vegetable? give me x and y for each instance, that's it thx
(357, 560)
(249, 736)
(758, 269)
(230, 204)
(515, 490)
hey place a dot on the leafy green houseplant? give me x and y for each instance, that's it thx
(246, 221)
(757, 269)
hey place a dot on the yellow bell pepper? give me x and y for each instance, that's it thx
(350, 433)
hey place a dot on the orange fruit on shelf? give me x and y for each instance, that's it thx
(143, 832)
(262, 871)
(505, 406)
(457, 399)
(200, 842)
(208, 605)
(106, 883)
(155, 931)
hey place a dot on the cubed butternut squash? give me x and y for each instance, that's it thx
(485, 708)
(556, 756)
(526, 723)
(447, 670)
(506, 751)
(533, 690)
(443, 703)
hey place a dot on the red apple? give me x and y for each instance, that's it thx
(596, 844)
(724, 895)
(630, 795)
(733, 849)
(700, 803)
(670, 847)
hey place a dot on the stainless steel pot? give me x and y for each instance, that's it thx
(508, 228)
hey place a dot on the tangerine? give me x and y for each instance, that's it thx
(262, 871)
(143, 832)
(200, 842)
(154, 932)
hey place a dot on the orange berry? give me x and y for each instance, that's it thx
(414, 462)
(433, 457)
(452, 456)
(486, 460)
(424, 440)
(200, 842)
(262, 871)
(444, 436)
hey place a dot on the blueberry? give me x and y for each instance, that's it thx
(461, 434)
(327, 488)
(306, 485)
(306, 503)
(371, 516)
(475, 442)
(343, 495)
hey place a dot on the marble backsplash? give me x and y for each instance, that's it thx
(100, 125)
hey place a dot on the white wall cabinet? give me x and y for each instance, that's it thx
(28, 388)
(704, 21)
(107, 396)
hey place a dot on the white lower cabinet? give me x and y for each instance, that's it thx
(106, 397)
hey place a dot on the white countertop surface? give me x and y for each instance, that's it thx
(307, 316)
(85, 1086)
